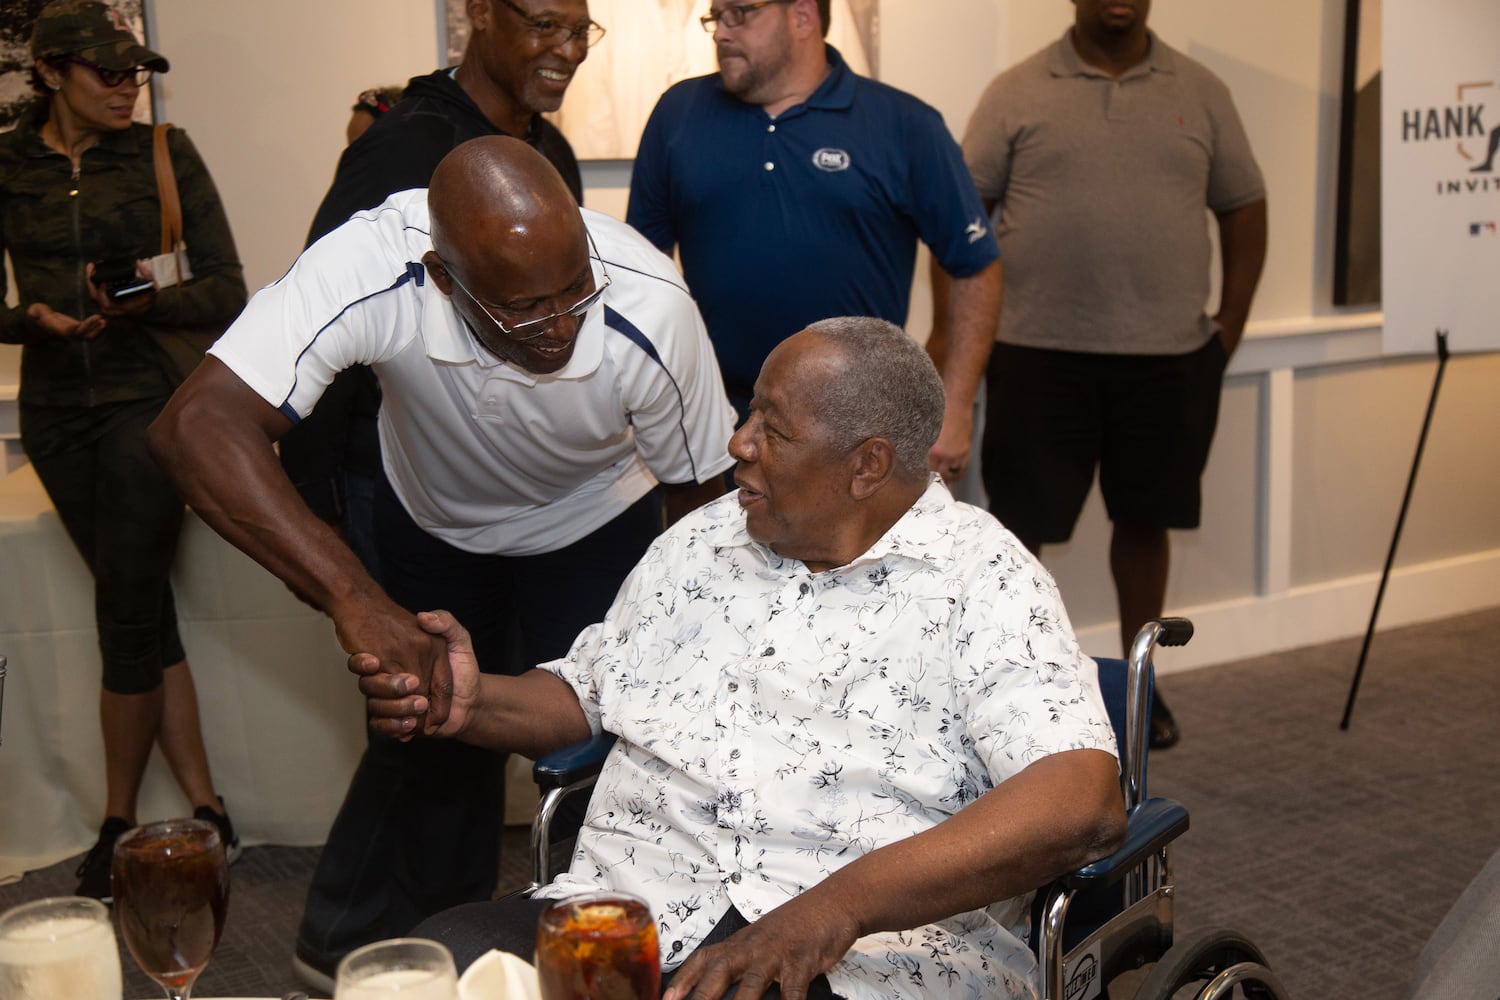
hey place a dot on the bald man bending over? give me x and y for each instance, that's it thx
(543, 369)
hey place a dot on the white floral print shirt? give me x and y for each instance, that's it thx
(776, 724)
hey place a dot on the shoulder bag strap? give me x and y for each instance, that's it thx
(166, 191)
(182, 349)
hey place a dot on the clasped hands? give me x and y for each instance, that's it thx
(421, 677)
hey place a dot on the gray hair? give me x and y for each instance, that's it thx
(883, 385)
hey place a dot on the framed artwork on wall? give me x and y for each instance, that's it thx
(648, 46)
(16, 20)
(1356, 254)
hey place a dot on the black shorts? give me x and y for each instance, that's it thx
(1145, 420)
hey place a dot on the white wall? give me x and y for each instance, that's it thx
(264, 89)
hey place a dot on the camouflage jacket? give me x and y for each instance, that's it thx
(53, 223)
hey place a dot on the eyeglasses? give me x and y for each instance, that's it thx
(115, 77)
(554, 33)
(534, 328)
(734, 15)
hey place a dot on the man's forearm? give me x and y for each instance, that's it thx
(970, 334)
(944, 307)
(225, 467)
(942, 314)
(532, 714)
(974, 312)
(1060, 813)
(1242, 248)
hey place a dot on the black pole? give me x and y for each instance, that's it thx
(1344, 189)
(1390, 557)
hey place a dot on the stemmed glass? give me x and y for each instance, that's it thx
(171, 889)
(404, 968)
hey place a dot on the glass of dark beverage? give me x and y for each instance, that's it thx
(171, 889)
(598, 946)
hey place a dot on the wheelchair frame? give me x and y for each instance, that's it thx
(1142, 932)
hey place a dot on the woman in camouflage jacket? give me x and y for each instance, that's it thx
(77, 190)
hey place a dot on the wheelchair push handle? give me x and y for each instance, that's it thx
(1158, 632)
(1165, 632)
(1174, 631)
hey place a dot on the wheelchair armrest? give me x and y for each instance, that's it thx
(561, 768)
(1152, 825)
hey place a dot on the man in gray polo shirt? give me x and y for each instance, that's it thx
(1102, 153)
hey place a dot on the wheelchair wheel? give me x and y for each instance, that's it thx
(1221, 958)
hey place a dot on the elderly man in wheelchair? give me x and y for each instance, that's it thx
(850, 713)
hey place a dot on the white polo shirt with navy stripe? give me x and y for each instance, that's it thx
(482, 454)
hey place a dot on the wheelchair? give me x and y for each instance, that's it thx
(1109, 919)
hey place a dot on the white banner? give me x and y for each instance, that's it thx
(1440, 169)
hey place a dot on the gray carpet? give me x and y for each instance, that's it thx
(1336, 852)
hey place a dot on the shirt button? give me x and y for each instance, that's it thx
(770, 128)
(770, 165)
(733, 686)
(735, 878)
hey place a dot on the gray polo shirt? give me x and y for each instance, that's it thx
(1102, 185)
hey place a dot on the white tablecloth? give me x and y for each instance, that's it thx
(282, 718)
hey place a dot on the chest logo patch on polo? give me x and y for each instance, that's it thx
(831, 160)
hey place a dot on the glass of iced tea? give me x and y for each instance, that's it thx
(598, 946)
(171, 888)
(60, 947)
(397, 969)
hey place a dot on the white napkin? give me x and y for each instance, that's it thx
(499, 975)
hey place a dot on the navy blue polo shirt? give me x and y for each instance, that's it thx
(815, 213)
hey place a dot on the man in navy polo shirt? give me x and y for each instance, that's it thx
(796, 190)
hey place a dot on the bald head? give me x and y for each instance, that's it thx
(497, 193)
(509, 244)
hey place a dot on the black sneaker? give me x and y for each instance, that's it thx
(93, 873)
(220, 819)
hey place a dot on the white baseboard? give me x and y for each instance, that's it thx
(1338, 609)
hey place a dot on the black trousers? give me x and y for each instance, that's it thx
(419, 829)
(125, 517)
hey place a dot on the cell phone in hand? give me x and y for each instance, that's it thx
(120, 280)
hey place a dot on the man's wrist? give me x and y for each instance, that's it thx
(958, 405)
